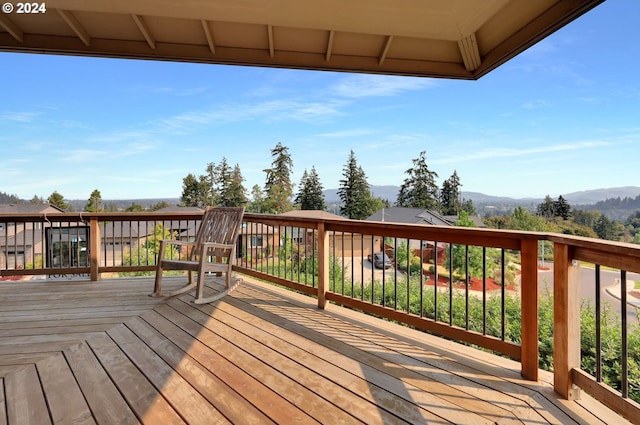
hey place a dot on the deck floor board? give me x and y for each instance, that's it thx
(82, 352)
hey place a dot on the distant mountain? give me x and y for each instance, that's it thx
(481, 198)
(489, 204)
(597, 195)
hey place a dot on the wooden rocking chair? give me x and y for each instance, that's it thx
(213, 250)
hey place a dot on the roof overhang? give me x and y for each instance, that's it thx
(434, 38)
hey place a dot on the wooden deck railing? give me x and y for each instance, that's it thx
(425, 288)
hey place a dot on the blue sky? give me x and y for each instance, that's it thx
(564, 116)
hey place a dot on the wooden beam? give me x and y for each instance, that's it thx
(566, 321)
(470, 54)
(94, 248)
(385, 50)
(144, 29)
(11, 28)
(200, 53)
(323, 265)
(75, 25)
(529, 300)
(209, 35)
(271, 46)
(330, 45)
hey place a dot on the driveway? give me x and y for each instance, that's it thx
(608, 282)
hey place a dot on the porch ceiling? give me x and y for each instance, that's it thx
(435, 38)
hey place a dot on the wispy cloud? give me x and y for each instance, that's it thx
(84, 155)
(358, 86)
(167, 90)
(108, 152)
(497, 153)
(344, 134)
(535, 104)
(272, 110)
(23, 117)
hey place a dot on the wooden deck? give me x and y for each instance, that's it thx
(84, 353)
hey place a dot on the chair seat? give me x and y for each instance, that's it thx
(180, 265)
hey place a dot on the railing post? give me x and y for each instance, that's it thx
(323, 265)
(566, 321)
(94, 248)
(529, 301)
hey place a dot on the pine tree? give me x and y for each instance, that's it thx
(221, 184)
(235, 195)
(57, 200)
(450, 195)
(278, 187)
(468, 207)
(419, 189)
(257, 199)
(193, 192)
(562, 208)
(310, 196)
(547, 208)
(94, 203)
(355, 191)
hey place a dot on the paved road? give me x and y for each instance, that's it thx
(587, 287)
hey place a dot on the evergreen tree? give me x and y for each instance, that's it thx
(9, 199)
(194, 193)
(562, 208)
(310, 196)
(355, 191)
(94, 204)
(57, 200)
(257, 200)
(450, 195)
(547, 208)
(605, 228)
(419, 189)
(36, 200)
(468, 207)
(135, 208)
(209, 183)
(160, 205)
(234, 194)
(278, 187)
(586, 218)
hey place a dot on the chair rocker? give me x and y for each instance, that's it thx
(213, 250)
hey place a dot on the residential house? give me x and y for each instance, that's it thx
(427, 249)
(23, 243)
(340, 244)
(257, 241)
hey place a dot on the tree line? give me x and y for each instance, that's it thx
(222, 185)
(558, 216)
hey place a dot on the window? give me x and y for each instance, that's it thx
(257, 241)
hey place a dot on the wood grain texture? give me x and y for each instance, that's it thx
(260, 355)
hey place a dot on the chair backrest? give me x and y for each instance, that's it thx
(219, 225)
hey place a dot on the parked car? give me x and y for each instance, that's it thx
(380, 260)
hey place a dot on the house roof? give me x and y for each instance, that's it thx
(28, 208)
(409, 216)
(437, 38)
(311, 214)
